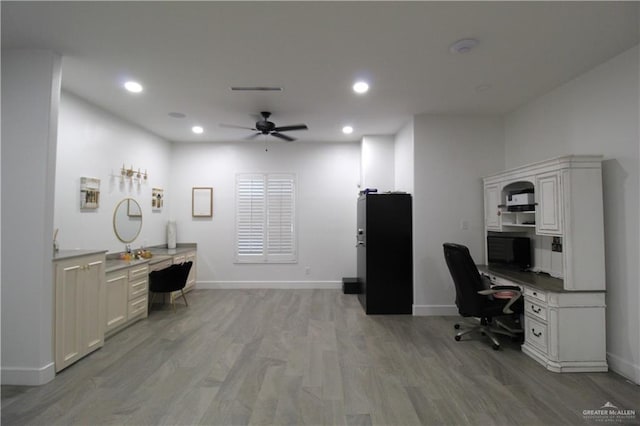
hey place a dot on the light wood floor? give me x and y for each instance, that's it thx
(294, 357)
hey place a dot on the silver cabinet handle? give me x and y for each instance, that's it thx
(533, 308)
(360, 243)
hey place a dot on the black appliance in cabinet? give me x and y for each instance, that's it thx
(385, 253)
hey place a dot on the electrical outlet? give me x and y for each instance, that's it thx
(556, 244)
(464, 225)
(307, 270)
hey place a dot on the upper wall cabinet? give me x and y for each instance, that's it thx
(492, 213)
(549, 203)
(560, 197)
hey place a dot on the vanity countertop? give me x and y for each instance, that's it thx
(68, 254)
(160, 254)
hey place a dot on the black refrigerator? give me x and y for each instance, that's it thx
(385, 253)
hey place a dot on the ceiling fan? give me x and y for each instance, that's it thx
(266, 127)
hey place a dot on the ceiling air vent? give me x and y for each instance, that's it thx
(255, 89)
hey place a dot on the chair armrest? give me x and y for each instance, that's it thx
(517, 293)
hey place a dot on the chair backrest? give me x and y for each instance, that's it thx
(466, 279)
(172, 278)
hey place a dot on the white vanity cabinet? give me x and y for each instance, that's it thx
(79, 307)
(126, 296)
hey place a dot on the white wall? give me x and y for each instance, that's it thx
(327, 178)
(452, 153)
(404, 159)
(95, 143)
(377, 163)
(597, 113)
(30, 92)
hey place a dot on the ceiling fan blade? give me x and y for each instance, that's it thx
(253, 136)
(293, 127)
(281, 136)
(233, 126)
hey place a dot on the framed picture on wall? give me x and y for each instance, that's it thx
(202, 202)
(157, 198)
(89, 193)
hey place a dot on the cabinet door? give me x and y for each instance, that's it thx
(191, 280)
(93, 305)
(549, 209)
(491, 210)
(68, 338)
(117, 299)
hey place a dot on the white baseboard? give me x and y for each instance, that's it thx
(227, 285)
(28, 376)
(624, 368)
(435, 310)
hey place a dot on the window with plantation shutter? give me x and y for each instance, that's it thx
(265, 218)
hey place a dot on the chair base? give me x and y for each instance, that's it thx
(490, 330)
(173, 305)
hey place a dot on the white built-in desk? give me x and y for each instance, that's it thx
(564, 330)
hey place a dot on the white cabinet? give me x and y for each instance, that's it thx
(549, 198)
(79, 307)
(566, 333)
(492, 211)
(126, 296)
(563, 330)
(569, 227)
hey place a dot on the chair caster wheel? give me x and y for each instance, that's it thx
(456, 326)
(495, 347)
(457, 338)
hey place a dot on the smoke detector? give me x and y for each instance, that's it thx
(463, 46)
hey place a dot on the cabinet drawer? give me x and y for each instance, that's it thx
(135, 273)
(536, 333)
(138, 288)
(137, 307)
(161, 265)
(535, 294)
(534, 309)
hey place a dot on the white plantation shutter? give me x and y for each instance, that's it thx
(265, 218)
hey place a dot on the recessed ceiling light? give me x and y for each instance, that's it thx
(347, 130)
(197, 130)
(177, 115)
(463, 46)
(133, 86)
(483, 88)
(361, 87)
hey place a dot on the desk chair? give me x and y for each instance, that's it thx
(474, 295)
(168, 280)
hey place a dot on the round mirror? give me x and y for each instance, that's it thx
(127, 220)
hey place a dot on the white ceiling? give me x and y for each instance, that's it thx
(188, 54)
